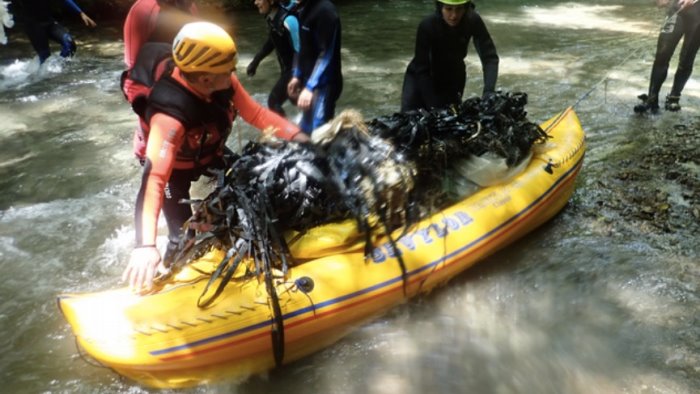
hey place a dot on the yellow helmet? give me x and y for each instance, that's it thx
(204, 47)
(453, 2)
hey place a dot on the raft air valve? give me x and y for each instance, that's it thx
(305, 284)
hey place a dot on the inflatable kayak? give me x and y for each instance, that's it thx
(166, 340)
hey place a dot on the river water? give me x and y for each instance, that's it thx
(599, 300)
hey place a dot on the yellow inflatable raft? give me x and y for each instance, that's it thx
(165, 340)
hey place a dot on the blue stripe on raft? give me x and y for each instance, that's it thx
(377, 286)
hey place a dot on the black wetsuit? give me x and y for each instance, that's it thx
(280, 40)
(41, 27)
(686, 25)
(318, 64)
(436, 75)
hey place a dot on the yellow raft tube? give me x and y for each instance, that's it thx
(166, 340)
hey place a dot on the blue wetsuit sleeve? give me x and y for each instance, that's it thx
(327, 36)
(292, 25)
(73, 6)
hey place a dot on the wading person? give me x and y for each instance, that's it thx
(436, 75)
(283, 38)
(683, 21)
(189, 114)
(41, 27)
(317, 79)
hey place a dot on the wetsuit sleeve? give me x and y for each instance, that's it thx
(326, 34)
(164, 139)
(487, 52)
(423, 64)
(266, 49)
(258, 116)
(291, 23)
(71, 4)
(296, 71)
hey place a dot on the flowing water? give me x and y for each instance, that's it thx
(598, 300)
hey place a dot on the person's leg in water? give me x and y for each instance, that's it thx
(689, 49)
(38, 34)
(61, 35)
(176, 214)
(668, 40)
(411, 94)
(178, 189)
(278, 94)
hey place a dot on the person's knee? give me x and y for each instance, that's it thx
(68, 46)
(275, 104)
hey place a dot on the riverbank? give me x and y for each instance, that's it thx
(654, 190)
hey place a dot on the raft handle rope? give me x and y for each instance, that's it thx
(606, 78)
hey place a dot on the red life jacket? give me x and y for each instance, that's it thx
(148, 87)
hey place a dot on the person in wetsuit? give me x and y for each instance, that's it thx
(283, 38)
(317, 79)
(6, 21)
(41, 27)
(683, 21)
(190, 111)
(154, 21)
(436, 75)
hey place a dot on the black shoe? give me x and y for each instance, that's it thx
(650, 104)
(672, 103)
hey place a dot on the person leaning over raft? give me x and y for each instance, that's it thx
(436, 75)
(683, 21)
(190, 112)
(154, 21)
(317, 79)
(42, 27)
(283, 37)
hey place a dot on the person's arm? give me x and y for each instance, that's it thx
(165, 137)
(291, 23)
(138, 26)
(683, 4)
(328, 30)
(422, 63)
(266, 49)
(86, 19)
(260, 117)
(294, 85)
(486, 50)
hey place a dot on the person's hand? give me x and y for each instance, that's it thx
(252, 68)
(142, 268)
(87, 20)
(304, 100)
(301, 137)
(293, 88)
(683, 4)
